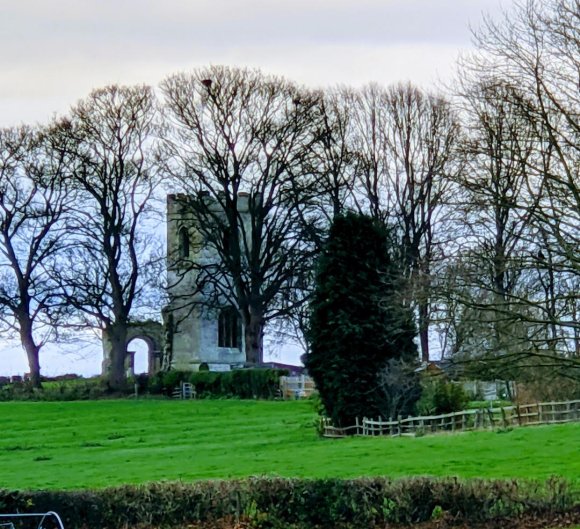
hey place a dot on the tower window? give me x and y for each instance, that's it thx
(183, 241)
(229, 328)
(227, 240)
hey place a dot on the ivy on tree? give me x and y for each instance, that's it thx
(358, 319)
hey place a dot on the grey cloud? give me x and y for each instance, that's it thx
(62, 48)
(154, 26)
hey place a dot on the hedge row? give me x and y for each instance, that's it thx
(241, 383)
(296, 503)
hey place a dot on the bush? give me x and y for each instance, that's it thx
(59, 390)
(294, 503)
(239, 383)
(242, 384)
(549, 387)
(440, 396)
(450, 397)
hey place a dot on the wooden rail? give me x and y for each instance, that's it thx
(462, 421)
(296, 387)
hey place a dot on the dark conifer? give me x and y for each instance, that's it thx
(358, 321)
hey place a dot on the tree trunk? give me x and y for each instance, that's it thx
(32, 353)
(423, 306)
(32, 350)
(424, 330)
(116, 375)
(254, 339)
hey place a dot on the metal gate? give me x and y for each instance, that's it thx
(39, 520)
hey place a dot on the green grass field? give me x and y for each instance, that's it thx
(70, 445)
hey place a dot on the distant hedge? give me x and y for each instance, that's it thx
(295, 503)
(238, 383)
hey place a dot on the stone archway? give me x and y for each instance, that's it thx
(140, 355)
(152, 333)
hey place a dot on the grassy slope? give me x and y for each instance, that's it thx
(96, 444)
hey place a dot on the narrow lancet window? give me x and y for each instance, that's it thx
(229, 328)
(183, 237)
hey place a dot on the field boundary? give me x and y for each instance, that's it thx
(462, 421)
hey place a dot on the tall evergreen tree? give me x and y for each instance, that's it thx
(358, 322)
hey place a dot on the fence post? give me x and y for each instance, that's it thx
(503, 416)
(399, 425)
(491, 419)
(357, 426)
(518, 414)
(540, 415)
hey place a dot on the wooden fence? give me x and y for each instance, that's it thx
(463, 421)
(296, 387)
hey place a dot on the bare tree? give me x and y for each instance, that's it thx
(492, 196)
(240, 132)
(370, 122)
(536, 50)
(334, 153)
(108, 144)
(33, 200)
(404, 141)
(399, 388)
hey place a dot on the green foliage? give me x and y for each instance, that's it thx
(441, 396)
(165, 382)
(437, 513)
(239, 383)
(450, 397)
(61, 390)
(357, 321)
(296, 503)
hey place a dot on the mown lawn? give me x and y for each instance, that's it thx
(69, 445)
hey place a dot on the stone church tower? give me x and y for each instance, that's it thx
(192, 335)
(197, 334)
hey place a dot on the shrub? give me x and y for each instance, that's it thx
(56, 390)
(239, 383)
(243, 384)
(450, 397)
(295, 503)
(440, 396)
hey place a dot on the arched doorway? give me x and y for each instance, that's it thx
(145, 344)
(140, 350)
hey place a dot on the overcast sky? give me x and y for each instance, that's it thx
(53, 52)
